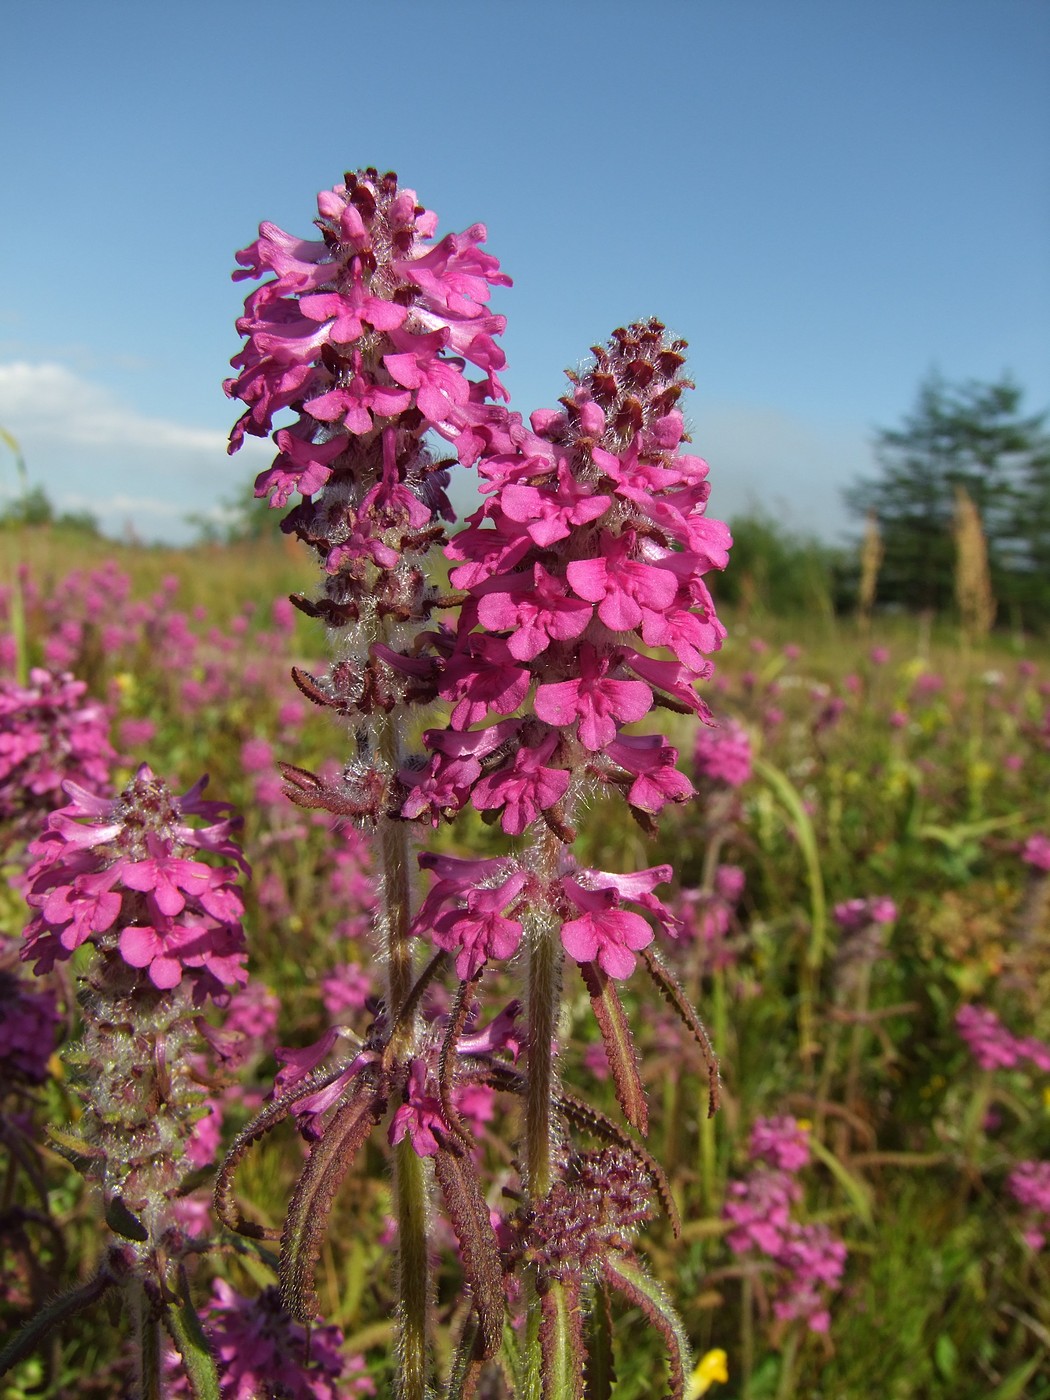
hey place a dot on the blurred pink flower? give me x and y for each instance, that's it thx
(723, 754)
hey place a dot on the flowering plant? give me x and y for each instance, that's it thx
(580, 606)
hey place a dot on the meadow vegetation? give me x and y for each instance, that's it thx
(862, 884)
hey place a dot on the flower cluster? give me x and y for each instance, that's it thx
(127, 875)
(1029, 1184)
(993, 1046)
(597, 1204)
(130, 877)
(722, 755)
(476, 908)
(261, 1350)
(809, 1260)
(365, 334)
(1036, 852)
(588, 554)
(855, 915)
(50, 733)
(708, 916)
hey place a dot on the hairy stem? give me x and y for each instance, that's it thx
(410, 1183)
(545, 968)
(544, 1003)
(413, 1280)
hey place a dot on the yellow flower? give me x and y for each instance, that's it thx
(712, 1367)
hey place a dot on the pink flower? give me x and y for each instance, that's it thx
(990, 1043)
(627, 592)
(28, 1027)
(723, 754)
(780, 1142)
(651, 760)
(420, 1116)
(1036, 851)
(1029, 1184)
(551, 515)
(853, 915)
(603, 932)
(260, 1350)
(523, 788)
(50, 733)
(535, 608)
(480, 931)
(596, 699)
(125, 874)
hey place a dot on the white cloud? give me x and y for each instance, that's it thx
(49, 400)
(90, 450)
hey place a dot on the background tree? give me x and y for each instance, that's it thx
(972, 436)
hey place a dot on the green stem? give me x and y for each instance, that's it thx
(544, 1005)
(545, 967)
(710, 1176)
(410, 1181)
(413, 1272)
(788, 1360)
(149, 1352)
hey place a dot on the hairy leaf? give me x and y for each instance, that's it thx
(619, 1045)
(479, 1248)
(51, 1316)
(642, 1291)
(467, 1364)
(273, 1114)
(676, 998)
(582, 1115)
(446, 1064)
(304, 1228)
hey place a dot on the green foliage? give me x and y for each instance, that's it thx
(773, 572)
(35, 508)
(974, 436)
(906, 793)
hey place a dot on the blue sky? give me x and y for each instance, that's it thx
(827, 199)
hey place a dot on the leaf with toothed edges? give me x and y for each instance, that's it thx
(260, 1125)
(619, 1045)
(631, 1281)
(676, 998)
(479, 1248)
(331, 1157)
